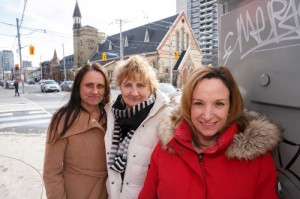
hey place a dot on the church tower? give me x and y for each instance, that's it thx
(85, 40)
(76, 34)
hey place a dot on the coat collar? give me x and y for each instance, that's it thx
(81, 124)
(259, 137)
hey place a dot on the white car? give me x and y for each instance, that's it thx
(167, 88)
(50, 85)
(173, 93)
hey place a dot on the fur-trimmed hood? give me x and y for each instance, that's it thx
(260, 136)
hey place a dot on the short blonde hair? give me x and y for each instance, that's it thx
(136, 65)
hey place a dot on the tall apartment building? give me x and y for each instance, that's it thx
(202, 15)
(7, 60)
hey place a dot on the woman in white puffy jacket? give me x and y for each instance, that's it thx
(132, 121)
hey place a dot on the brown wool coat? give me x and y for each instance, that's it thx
(75, 165)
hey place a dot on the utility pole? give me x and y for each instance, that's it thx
(171, 68)
(41, 67)
(20, 53)
(64, 63)
(2, 59)
(121, 40)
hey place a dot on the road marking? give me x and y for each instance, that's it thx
(14, 109)
(24, 123)
(5, 114)
(36, 112)
(23, 117)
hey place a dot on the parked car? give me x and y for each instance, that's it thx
(30, 81)
(66, 86)
(49, 85)
(2, 81)
(167, 88)
(9, 84)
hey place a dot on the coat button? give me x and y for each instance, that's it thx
(172, 145)
(181, 152)
(112, 182)
(134, 156)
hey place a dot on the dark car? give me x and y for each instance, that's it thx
(66, 86)
(2, 81)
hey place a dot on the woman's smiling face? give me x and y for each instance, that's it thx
(210, 108)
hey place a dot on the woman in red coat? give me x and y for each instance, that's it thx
(212, 149)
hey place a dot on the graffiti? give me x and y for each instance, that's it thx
(287, 166)
(279, 22)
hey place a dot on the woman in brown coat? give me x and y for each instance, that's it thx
(75, 162)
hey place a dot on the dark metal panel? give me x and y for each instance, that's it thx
(259, 41)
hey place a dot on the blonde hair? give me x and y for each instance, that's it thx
(136, 65)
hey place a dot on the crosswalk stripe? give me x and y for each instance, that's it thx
(5, 114)
(24, 123)
(19, 109)
(23, 117)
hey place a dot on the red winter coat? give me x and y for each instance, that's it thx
(239, 166)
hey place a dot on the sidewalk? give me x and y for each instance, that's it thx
(21, 165)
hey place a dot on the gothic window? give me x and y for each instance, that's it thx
(182, 39)
(187, 41)
(80, 42)
(177, 41)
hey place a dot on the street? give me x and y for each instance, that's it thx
(31, 111)
(23, 124)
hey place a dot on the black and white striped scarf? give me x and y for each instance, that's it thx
(127, 120)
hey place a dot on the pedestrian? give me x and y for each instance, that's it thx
(132, 121)
(211, 148)
(75, 162)
(16, 85)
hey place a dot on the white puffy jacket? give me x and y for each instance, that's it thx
(139, 150)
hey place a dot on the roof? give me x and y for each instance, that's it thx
(69, 62)
(76, 12)
(135, 37)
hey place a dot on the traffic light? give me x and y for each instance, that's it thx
(31, 50)
(176, 54)
(17, 66)
(103, 56)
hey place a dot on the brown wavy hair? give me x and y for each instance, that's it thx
(73, 107)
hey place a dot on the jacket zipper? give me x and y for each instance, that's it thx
(201, 156)
(121, 187)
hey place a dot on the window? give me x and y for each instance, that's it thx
(182, 39)
(177, 41)
(187, 41)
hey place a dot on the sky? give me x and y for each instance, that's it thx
(47, 24)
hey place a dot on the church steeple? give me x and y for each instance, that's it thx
(55, 54)
(76, 17)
